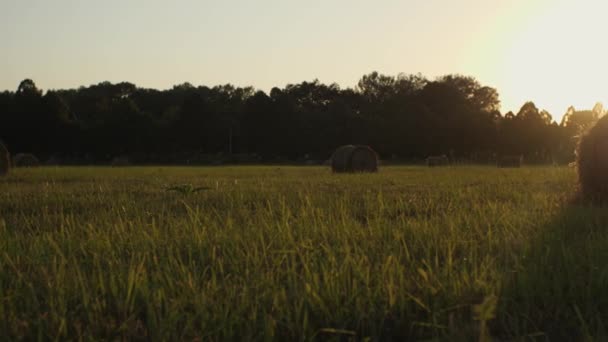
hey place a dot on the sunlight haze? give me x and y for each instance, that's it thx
(549, 52)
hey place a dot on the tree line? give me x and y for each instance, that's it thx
(403, 117)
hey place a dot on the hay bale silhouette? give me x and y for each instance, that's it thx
(53, 161)
(441, 160)
(25, 160)
(354, 158)
(5, 160)
(120, 161)
(592, 162)
(509, 161)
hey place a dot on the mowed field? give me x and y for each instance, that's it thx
(298, 253)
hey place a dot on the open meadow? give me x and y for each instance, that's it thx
(299, 253)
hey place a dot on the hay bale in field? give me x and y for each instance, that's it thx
(120, 161)
(354, 158)
(5, 160)
(25, 160)
(53, 161)
(592, 161)
(441, 160)
(509, 161)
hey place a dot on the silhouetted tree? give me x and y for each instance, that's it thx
(408, 116)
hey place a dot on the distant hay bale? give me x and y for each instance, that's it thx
(509, 161)
(5, 160)
(354, 158)
(25, 160)
(120, 161)
(53, 161)
(441, 160)
(592, 162)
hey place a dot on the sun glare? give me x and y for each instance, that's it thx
(556, 58)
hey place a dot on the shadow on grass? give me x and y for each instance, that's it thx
(559, 290)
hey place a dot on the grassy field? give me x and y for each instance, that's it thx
(297, 253)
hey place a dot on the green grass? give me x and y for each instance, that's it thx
(297, 253)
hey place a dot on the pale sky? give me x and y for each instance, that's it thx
(549, 51)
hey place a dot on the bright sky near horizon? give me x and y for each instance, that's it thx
(547, 51)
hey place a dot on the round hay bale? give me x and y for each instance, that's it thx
(592, 162)
(25, 160)
(354, 158)
(433, 161)
(120, 161)
(5, 160)
(53, 161)
(340, 158)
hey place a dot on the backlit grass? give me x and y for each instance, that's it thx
(297, 253)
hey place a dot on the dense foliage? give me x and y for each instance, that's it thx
(407, 117)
